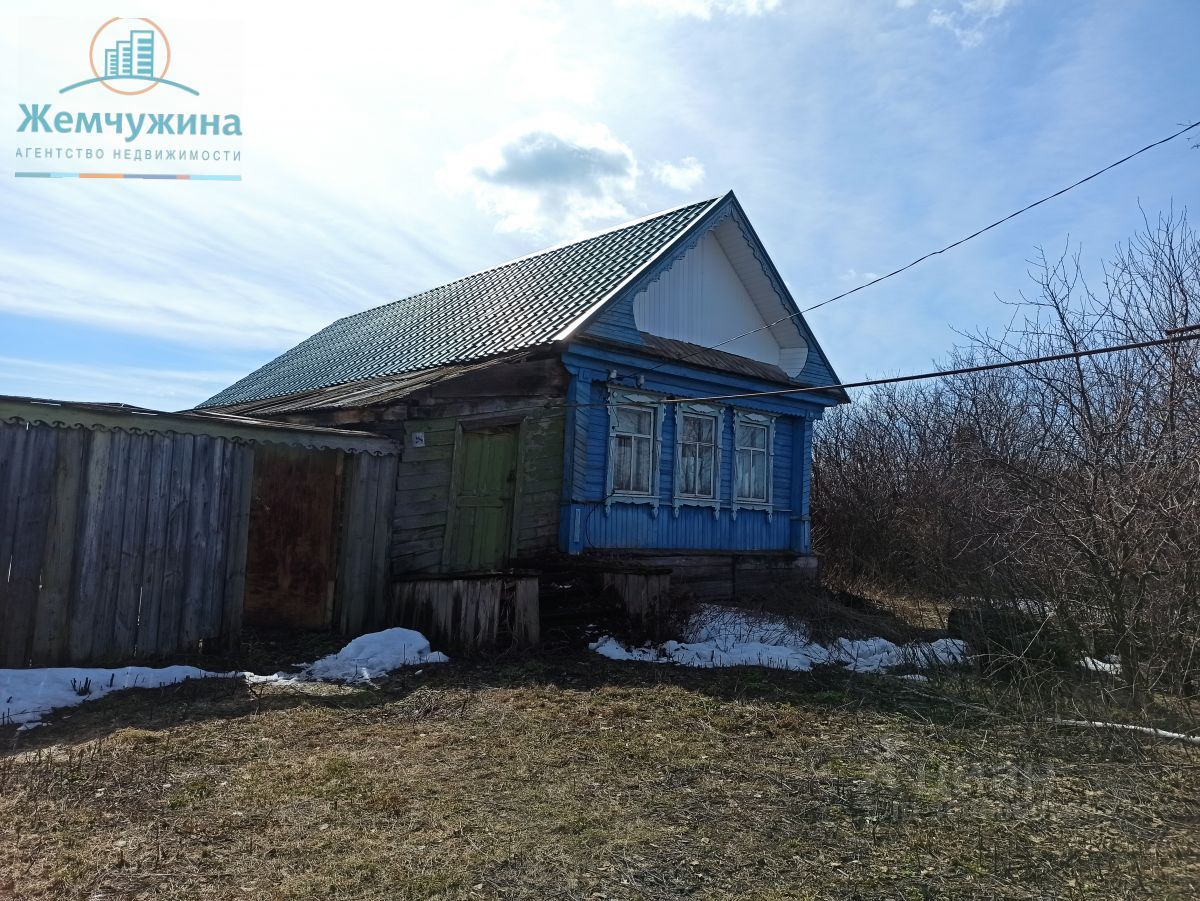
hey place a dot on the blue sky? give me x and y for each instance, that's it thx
(389, 151)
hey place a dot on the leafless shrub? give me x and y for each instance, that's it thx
(1068, 489)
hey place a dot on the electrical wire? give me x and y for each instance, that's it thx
(933, 253)
(1174, 336)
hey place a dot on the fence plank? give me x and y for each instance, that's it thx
(197, 574)
(234, 599)
(385, 499)
(175, 569)
(24, 571)
(348, 548)
(216, 512)
(134, 505)
(111, 522)
(52, 629)
(12, 454)
(87, 571)
(158, 491)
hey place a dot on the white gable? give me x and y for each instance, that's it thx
(706, 298)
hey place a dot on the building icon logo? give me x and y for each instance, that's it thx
(129, 56)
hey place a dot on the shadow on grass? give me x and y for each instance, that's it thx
(576, 670)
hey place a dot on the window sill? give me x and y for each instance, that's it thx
(650, 500)
(765, 506)
(710, 503)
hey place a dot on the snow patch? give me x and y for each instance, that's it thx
(1108, 665)
(26, 695)
(717, 637)
(365, 658)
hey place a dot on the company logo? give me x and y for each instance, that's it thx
(129, 56)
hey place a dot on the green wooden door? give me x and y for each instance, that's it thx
(483, 511)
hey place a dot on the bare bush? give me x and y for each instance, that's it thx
(1069, 489)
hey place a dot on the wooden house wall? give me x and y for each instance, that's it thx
(626, 525)
(425, 474)
(514, 393)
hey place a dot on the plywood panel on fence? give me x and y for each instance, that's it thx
(291, 558)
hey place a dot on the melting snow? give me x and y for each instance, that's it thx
(1108, 665)
(719, 637)
(26, 695)
(366, 657)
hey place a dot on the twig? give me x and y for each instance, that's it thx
(1128, 727)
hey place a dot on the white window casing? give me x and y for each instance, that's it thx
(634, 449)
(698, 433)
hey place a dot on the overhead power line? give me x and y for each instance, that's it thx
(943, 373)
(1174, 336)
(933, 253)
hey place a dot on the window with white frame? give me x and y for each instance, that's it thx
(697, 456)
(752, 458)
(633, 449)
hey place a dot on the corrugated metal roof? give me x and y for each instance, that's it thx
(518, 305)
(140, 420)
(697, 355)
(356, 395)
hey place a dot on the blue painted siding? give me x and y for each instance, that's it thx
(816, 371)
(616, 323)
(627, 526)
(587, 522)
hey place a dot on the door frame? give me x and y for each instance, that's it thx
(456, 474)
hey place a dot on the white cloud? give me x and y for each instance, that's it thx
(158, 389)
(549, 176)
(969, 21)
(854, 276)
(704, 9)
(682, 176)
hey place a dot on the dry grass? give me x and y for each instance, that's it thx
(571, 777)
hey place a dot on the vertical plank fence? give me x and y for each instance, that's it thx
(363, 576)
(118, 544)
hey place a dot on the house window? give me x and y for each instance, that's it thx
(633, 450)
(752, 460)
(697, 456)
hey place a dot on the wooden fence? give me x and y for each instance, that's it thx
(466, 614)
(118, 544)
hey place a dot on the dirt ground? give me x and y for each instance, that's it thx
(569, 776)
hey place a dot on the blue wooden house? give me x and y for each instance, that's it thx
(585, 400)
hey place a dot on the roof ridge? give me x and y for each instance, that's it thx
(515, 305)
(537, 253)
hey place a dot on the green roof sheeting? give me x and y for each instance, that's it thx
(512, 307)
